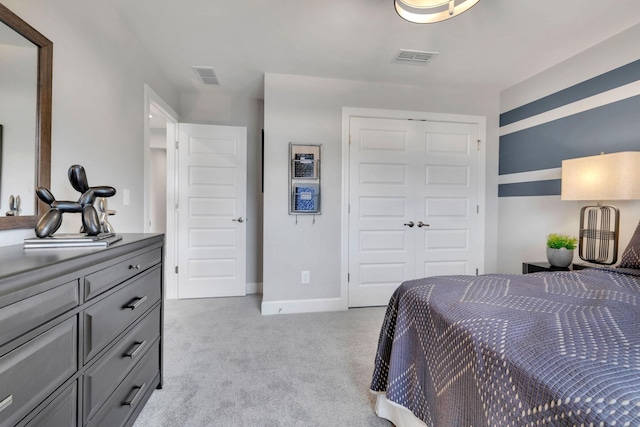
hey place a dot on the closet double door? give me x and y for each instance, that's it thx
(413, 204)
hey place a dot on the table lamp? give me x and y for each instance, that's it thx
(614, 176)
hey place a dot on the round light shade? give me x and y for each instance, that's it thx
(430, 11)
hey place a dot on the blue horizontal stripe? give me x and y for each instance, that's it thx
(610, 128)
(530, 189)
(610, 80)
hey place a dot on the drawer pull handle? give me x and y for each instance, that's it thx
(137, 303)
(134, 266)
(134, 396)
(6, 402)
(136, 350)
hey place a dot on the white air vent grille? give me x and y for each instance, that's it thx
(413, 57)
(206, 75)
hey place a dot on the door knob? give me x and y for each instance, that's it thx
(410, 224)
(239, 219)
(422, 224)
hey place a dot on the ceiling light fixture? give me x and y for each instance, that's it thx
(430, 11)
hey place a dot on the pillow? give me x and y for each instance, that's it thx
(631, 255)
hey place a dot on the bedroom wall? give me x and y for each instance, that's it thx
(587, 104)
(309, 110)
(99, 72)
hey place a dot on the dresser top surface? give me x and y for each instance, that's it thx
(16, 260)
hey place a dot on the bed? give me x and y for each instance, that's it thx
(554, 348)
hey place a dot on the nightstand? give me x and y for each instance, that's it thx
(535, 267)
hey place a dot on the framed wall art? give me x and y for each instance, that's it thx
(304, 179)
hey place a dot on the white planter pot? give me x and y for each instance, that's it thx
(559, 257)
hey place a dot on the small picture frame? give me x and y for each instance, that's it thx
(304, 182)
(305, 161)
(304, 165)
(305, 198)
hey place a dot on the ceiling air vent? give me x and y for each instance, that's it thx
(413, 57)
(206, 75)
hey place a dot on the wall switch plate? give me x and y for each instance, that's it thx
(125, 197)
(305, 277)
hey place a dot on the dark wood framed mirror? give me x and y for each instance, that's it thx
(42, 160)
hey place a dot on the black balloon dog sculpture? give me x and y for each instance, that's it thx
(51, 221)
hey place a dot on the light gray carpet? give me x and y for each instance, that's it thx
(227, 365)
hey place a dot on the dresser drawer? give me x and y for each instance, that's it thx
(22, 316)
(62, 412)
(107, 318)
(105, 375)
(130, 393)
(100, 281)
(31, 372)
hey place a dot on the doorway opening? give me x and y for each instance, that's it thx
(159, 182)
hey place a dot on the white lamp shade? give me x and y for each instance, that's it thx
(614, 176)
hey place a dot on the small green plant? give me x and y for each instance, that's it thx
(557, 241)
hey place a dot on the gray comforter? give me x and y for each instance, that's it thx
(553, 349)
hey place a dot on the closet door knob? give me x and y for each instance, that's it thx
(422, 224)
(409, 224)
(239, 219)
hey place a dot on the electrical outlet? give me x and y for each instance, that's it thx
(305, 277)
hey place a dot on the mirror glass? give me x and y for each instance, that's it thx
(26, 58)
(18, 112)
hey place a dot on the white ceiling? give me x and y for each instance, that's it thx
(495, 44)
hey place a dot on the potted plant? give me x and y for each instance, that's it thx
(560, 249)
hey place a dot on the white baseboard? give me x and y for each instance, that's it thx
(300, 306)
(254, 288)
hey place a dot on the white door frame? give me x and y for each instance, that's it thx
(170, 248)
(347, 113)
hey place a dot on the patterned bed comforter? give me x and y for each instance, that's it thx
(544, 349)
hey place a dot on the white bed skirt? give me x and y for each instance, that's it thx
(398, 415)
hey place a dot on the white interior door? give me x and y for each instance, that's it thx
(382, 201)
(413, 199)
(212, 186)
(447, 199)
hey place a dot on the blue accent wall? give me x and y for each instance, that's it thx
(534, 188)
(612, 127)
(602, 83)
(608, 128)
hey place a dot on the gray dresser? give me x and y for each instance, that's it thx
(80, 333)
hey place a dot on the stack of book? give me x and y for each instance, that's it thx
(72, 241)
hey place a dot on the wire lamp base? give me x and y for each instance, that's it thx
(598, 241)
